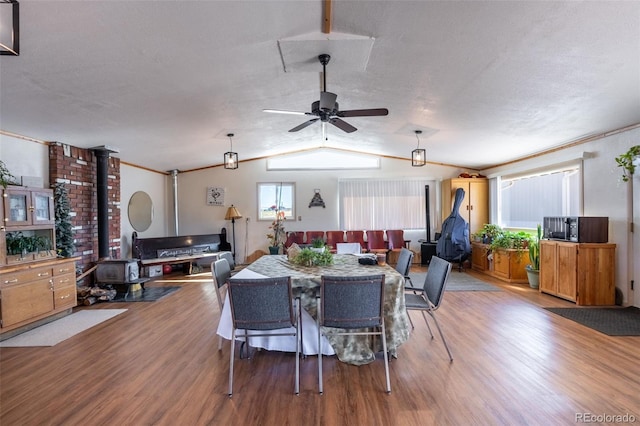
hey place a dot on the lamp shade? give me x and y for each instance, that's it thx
(232, 213)
(418, 157)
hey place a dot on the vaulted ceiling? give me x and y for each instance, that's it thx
(165, 81)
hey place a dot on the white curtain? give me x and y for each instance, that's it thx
(382, 204)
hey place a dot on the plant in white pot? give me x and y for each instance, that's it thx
(533, 269)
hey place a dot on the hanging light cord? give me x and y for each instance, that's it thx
(418, 137)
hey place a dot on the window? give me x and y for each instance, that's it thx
(273, 197)
(525, 200)
(382, 204)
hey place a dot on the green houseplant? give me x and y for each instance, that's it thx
(627, 162)
(64, 229)
(6, 178)
(533, 269)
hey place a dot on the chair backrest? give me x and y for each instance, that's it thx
(261, 303)
(404, 262)
(346, 248)
(335, 237)
(395, 238)
(351, 301)
(375, 240)
(314, 235)
(356, 237)
(294, 237)
(436, 280)
(229, 256)
(221, 271)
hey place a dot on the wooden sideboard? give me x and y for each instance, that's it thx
(580, 272)
(505, 264)
(35, 291)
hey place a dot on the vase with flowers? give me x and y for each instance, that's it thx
(277, 235)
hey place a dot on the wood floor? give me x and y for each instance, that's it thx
(159, 364)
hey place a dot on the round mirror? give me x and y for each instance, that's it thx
(140, 211)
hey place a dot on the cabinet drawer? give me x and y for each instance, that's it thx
(26, 276)
(65, 297)
(64, 268)
(60, 281)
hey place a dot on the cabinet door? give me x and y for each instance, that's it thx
(3, 235)
(548, 267)
(22, 302)
(42, 208)
(478, 204)
(16, 207)
(567, 270)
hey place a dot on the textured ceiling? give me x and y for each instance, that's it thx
(165, 81)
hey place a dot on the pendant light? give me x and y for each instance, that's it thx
(418, 156)
(230, 157)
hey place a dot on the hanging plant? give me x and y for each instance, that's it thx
(627, 160)
(64, 230)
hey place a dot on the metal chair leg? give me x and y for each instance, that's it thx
(441, 335)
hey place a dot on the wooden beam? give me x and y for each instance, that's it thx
(326, 27)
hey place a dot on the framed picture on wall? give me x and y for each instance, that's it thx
(215, 196)
(274, 197)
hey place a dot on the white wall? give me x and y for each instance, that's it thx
(25, 158)
(605, 194)
(196, 217)
(133, 179)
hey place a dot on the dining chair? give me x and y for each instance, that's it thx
(229, 256)
(220, 272)
(356, 237)
(348, 248)
(403, 267)
(263, 305)
(429, 298)
(351, 305)
(314, 235)
(395, 239)
(375, 242)
(333, 238)
(294, 237)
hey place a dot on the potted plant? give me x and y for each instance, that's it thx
(318, 245)
(487, 233)
(628, 162)
(533, 269)
(6, 178)
(277, 235)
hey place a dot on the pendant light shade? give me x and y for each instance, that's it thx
(230, 157)
(418, 155)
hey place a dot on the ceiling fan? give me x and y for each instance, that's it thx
(326, 109)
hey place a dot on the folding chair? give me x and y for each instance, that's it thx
(262, 305)
(220, 272)
(430, 296)
(348, 305)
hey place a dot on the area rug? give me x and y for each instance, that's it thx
(149, 294)
(458, 281)
(56, 331)
(610, 321)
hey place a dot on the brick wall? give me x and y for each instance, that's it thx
(76, 169)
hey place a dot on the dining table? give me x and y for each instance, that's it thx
(305, 282)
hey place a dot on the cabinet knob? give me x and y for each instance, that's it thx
(43, 274)
(15, 280)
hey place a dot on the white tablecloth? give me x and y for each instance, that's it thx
(275, 343)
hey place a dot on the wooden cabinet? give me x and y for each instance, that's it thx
(475, 207)
(35, 291)
(27, 230)
(479, 253)
(581, 272)
(506, 265)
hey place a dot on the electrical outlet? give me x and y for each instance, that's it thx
(299, 218)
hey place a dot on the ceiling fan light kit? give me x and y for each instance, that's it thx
(418, 155)
(327, 110)
(230, 157)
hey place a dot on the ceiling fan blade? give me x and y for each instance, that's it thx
(363, 112)
(305, 124)
(281, 111)
(342, 125)
(327, 101)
